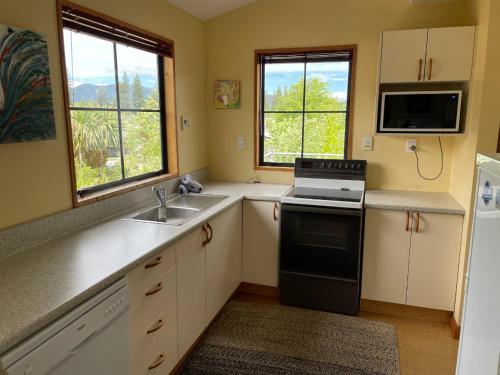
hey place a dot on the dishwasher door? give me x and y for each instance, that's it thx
(90, 340)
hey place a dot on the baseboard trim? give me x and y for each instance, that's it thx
(405, 311)
(259, 290)
(454, 328)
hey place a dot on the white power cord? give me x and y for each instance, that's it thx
(414, 149)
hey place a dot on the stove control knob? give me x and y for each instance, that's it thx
(329, 164)
(322, 165)
(358, 166)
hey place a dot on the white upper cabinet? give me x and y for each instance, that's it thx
(449, 54)
(427, 55)
(403, 56)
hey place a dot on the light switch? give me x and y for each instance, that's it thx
(240, 142)
(185, 123)
(367, 143)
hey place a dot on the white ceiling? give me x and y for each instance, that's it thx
(206, 9)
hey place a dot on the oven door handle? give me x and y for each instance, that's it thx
(321, 210)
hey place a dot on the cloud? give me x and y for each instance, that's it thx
(340, 95)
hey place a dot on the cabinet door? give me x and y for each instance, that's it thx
(435, 251)
(191, 290)
(224, 259)
(260, 242)
(402, 55)
(451, 50)
(385, 257)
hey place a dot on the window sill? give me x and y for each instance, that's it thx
(122, 189)
(273, 168)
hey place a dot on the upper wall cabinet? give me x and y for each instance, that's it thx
(427, 55)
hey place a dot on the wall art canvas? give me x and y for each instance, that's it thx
(227, 94)
(26, 107)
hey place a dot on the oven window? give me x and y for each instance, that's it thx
(321, 244)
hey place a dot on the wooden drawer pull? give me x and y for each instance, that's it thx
(156, 326)
(407, 221)
(153, 263)
(211, 233)
(155, 289)
(420, 69)
(157, 362)
(430, 70)
(418, 223)
(275, 208)
(205, 241)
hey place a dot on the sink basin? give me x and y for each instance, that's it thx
(179, 209)
(167, 215)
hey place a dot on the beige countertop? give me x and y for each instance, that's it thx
(413, 201)
(43, 283)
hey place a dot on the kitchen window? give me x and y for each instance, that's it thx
(304, 104)
(116, 102)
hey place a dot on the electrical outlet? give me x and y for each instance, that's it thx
(410, 143)
(185, 123)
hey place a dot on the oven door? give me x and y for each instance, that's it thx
(321, 241)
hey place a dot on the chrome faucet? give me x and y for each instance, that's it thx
(161, 194)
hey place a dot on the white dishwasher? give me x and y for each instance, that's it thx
(91, 339)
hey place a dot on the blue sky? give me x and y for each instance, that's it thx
(90, 60)
(334, 73)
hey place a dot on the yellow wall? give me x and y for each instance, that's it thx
(232, 38)
(34, 177)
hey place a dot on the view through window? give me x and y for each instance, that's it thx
(304, 106)
(116, 110)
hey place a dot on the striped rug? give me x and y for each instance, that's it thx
(252, 338)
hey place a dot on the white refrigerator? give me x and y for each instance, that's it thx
(479, 351)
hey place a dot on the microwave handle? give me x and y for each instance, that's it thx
(320, 210)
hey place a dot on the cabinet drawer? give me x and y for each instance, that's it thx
(163, 360)
(151, 301)
(147, 346)
(150, 272)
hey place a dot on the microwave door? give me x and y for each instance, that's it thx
(429, 112)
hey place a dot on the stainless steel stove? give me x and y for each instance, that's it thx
(321, 235)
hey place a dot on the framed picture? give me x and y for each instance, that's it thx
(26, 107)
(227, 94)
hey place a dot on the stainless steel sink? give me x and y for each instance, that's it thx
(179, 209)
(167, 215)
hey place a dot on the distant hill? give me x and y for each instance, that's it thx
(88, 92)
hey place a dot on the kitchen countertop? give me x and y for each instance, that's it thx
(442, 203)
(43, 283)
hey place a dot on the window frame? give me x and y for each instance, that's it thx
(259, 163)
(168, 128)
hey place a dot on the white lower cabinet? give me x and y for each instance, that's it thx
(153, 315)
(411, 258)
(385, 256)
(434, 258)
(176, 294)
(223, 258)
(191, 289)
(260, 242)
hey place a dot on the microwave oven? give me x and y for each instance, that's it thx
(420, 112)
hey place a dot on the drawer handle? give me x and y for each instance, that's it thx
(430, 69)
(205, 241)
(420, 69)
(211, 233)
(155, 289)
(407, 221)
(418, 223)
(153, 263)
(157, 362)
(156, 326)
(275, 208)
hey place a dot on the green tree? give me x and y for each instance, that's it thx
(137, 93)
(124, 84)
(323, 132)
